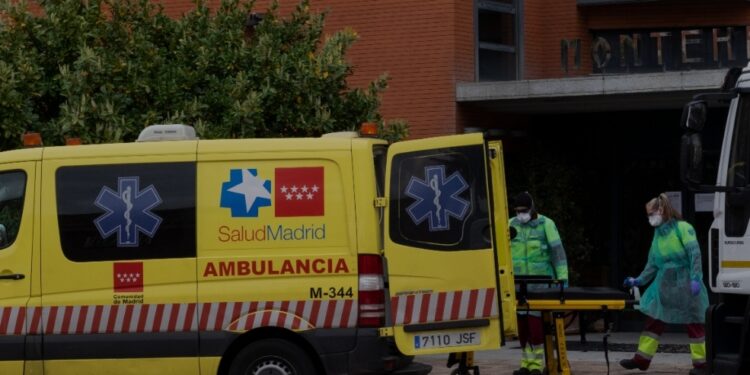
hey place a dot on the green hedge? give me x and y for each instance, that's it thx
(101, 70)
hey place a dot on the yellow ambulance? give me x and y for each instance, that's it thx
(173, 255)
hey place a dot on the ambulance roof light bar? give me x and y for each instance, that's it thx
(32, 139)
(368, 129)
(167, 132)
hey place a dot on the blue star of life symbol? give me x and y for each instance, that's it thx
(245, 193)
(437, 198)
(128, 211)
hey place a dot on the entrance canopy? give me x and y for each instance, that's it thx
(599, 93)
(611, 2)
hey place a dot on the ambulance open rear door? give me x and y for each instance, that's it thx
(441, 262)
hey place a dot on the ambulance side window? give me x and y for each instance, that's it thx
(126, 211)
(12, 188)
(439, 199)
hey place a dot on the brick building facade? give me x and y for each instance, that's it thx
(586, 95)
(425, 49)
(430, 49)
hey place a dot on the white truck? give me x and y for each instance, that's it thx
(728, 318)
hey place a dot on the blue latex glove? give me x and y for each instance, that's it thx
(631, 282)
(695, 287)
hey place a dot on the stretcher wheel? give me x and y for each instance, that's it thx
(470, 371)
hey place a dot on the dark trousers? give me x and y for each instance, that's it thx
(530, 330)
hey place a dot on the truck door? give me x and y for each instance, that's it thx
(16, 245)
(731, 258)
(438, 244)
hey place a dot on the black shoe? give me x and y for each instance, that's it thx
(535, 372)
(698, 371)
(631, 364)
(522, 371)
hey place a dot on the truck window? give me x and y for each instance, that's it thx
(737, 175)
(12, 188)
(126, 211)
(439, 199)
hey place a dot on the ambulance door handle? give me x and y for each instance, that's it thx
(13, 276)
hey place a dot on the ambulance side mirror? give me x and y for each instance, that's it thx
(691, 159)
(691, 147)
(694, 115)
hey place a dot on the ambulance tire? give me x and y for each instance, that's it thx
(272, 356)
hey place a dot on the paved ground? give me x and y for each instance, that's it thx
(591, 362)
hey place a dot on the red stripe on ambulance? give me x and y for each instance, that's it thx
(20, 319)
(4, 318)
(185, 317)
(444, 306)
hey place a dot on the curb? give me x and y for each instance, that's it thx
(598, 346)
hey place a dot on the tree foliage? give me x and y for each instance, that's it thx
(101, 70)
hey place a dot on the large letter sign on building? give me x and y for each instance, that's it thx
(658, 50)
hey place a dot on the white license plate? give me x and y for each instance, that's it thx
(446, 340)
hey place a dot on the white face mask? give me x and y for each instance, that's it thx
(524, 217)
(655, 220)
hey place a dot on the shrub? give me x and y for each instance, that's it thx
(101, 70)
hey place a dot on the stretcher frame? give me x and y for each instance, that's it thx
(553, 320)
(553, 314)
(553, 317)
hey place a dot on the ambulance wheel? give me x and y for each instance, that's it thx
(272, 357)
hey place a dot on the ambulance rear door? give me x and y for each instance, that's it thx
(502, 238)
(441, 264)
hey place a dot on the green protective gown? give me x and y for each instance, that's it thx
(537, 249)
(673, 261)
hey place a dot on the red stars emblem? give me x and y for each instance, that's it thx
(128, 277)
(299, 191)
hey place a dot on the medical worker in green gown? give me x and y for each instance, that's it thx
(537, 251)
(677, 294)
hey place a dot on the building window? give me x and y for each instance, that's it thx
(498, 35)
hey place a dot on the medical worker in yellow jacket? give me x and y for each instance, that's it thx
(677, 294)
(537, 250)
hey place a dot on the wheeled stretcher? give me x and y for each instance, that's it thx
(554, 302)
